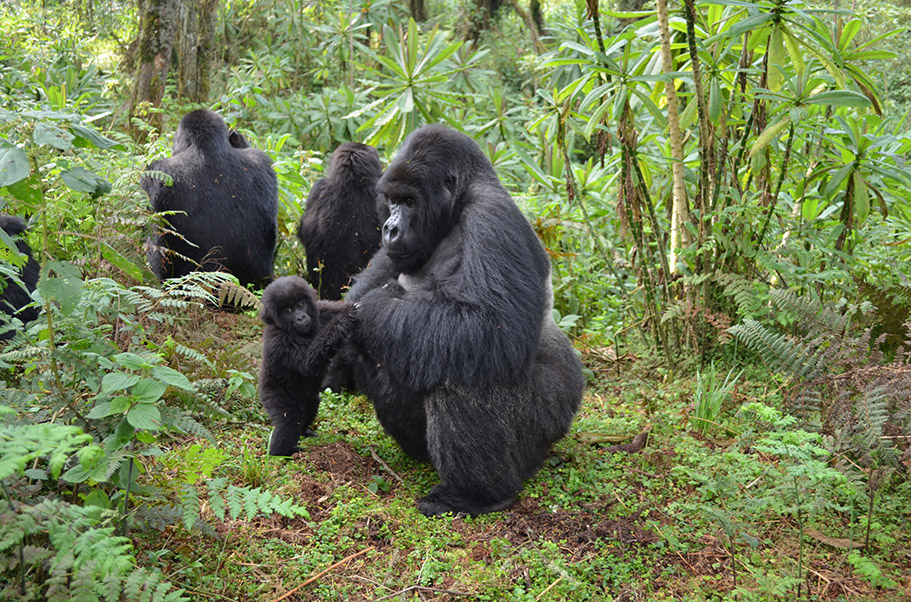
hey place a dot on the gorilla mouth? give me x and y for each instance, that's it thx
(400, 254)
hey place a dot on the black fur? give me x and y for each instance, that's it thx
(237, 140)
(461, 357)
(340, 228)
(229, 195)
(14, 298)
(297, 348)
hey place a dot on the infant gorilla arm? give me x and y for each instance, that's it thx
(299, 340)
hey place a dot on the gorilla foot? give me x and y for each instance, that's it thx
(435, 504)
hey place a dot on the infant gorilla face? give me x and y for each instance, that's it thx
(297, 317)
(290, 304)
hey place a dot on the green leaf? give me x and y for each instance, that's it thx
(777, 56)
(94, 137)
(47, 134)
(131, 361)
(82, 180)
(149, 390)
(769, 134)
(118, 381)
(746, 25)
(810, 209)
(65, 288)
(120, 404)
(145, 416)
(714, 99)
(27, 190)
(172, 377)
(121, 262)
(101, 409)
(839, 98)
(13, 165)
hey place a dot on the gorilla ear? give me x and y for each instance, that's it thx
(452, 184)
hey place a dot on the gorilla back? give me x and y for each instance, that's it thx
(461, 357)
(340, 228)
(226, 196)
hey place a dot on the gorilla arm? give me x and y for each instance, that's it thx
(379, 272)
(313, 358)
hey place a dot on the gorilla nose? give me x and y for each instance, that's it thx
(391, 233)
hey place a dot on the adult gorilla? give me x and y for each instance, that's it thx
(226, 196)
(461, 357)
(340, 228)
(14, 297)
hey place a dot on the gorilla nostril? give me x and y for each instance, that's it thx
(390, 233)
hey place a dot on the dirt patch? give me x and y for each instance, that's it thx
(339, 461)
(577, 532)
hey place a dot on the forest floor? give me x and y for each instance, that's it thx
(594, 524)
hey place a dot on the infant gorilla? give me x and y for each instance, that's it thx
(296, 353)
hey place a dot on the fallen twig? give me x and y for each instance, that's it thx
(421, 588)
(549, 587)
(386, 466)
(321, 573)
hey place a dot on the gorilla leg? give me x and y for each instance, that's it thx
(473, 441)
(484, 443)
(400, 411)
(290, 419)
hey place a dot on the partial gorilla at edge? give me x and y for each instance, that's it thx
(340, 228)
(226, 196)
(459, 353)
(14, 298)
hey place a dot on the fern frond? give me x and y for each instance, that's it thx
(819, 319)
(873, 412)
(189, 501)
(190, 353)
(235, 295)
(674, 311)
(179, 420)
(778, 351)
(743, 292)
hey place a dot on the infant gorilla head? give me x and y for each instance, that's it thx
(297, 348)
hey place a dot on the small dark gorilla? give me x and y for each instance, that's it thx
(460, 354)
(228, 194)
(340, 228)
(297, 349)
(14, 298)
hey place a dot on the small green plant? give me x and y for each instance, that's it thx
(710, 395)
(53, 549)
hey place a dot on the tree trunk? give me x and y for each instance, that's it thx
(194, 49)
(486, 11)
(417, 10)
(534, 7)
(680, 236)
(157, 27)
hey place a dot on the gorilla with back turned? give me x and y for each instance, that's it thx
(226, 196)
(340, 228)
(458, 350)
(14, 298)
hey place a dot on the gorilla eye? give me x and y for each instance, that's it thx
(408, 201)
(289, 310)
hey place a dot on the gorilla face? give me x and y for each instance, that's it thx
(289, 305)
(418, 214)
